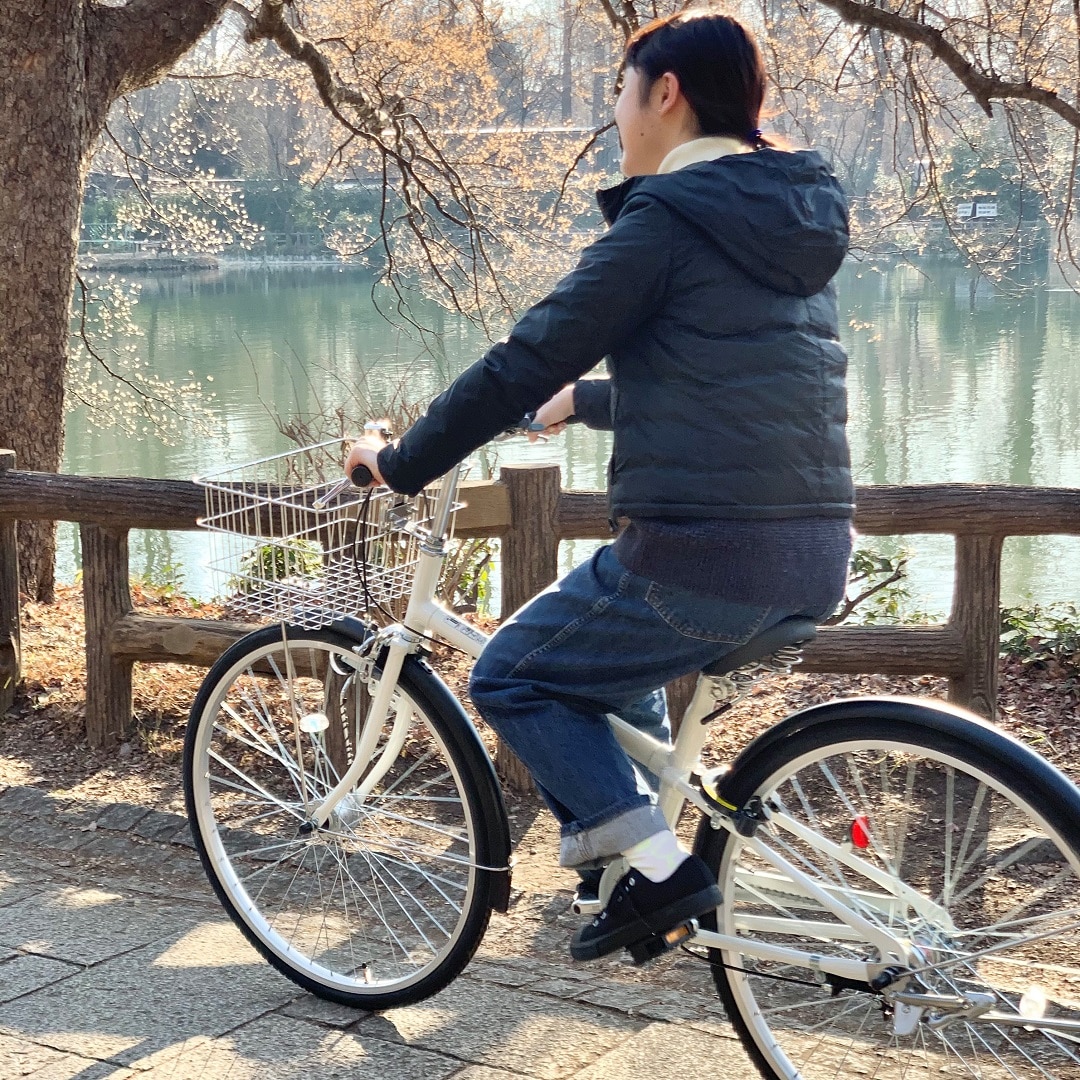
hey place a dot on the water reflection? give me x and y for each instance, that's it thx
(950, 381)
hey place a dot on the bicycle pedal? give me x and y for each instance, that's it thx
(586, 901)
(655, 946)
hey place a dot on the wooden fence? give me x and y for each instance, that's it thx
(530, 513)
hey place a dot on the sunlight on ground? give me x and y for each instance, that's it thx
(84, 898)
(210, 944)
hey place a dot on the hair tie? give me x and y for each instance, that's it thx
(755, 134)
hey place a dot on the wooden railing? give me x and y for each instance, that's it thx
(530, 513)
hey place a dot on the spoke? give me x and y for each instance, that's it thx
(255, 740)
(854, 811)
(815, 824)
(854, 1038)
(440, 830)
(261, 747)
(963, 862)
(896, 834)
(419, 763)
(824, 1002)
(434, 879)
(377, 870)
(251, 785)
(289, 859)
(855, 1007)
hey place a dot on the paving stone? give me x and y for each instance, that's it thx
(499, 1027)
(320, 1011)
(713, 1025)
(560, 988)
(19, 1058)
(496, 973)
(666, 1011)
(37, 833)
(160, 827)
(183, 838)
(482, 1072)
(25, 973)
(150, 857)
(662, 1054)
(134, 1006)
(76, 813)
(15, 888)
(121, 816)
(73, 1067)
(86, 926)
(275, 1048)
(543, 969)
(28, 801)
(122, 852)
(623, 998)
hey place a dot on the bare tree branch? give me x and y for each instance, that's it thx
(269, 24)
(983, 88)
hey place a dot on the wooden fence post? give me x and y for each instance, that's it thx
(10, 649)
(530, 562)
(106, 599)
(976, 615)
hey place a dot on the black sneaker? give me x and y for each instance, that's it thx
(640, 909)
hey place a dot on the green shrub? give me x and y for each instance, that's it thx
(1043, 635)
(276, 562)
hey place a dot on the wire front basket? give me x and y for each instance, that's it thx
(284, 552)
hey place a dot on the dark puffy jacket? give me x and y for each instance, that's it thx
(710, 296)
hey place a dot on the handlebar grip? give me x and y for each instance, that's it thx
(361, 476)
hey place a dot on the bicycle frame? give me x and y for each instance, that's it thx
(673, 764)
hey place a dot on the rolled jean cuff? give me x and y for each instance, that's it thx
(606, 840)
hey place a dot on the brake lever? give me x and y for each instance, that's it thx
(526, 425)
(332, 493)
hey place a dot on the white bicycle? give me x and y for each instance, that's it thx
(900, 879)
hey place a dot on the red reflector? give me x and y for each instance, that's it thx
(860, 831)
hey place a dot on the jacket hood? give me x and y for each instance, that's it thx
(780, 216)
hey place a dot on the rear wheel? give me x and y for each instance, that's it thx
(962, 843)
(388, 901)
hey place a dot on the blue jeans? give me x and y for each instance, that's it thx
(600, 641)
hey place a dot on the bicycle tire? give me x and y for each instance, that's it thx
(388, 902)
(952, 808)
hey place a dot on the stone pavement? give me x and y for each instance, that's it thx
(116, 963)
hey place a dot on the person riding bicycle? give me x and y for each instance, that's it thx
(710, 297)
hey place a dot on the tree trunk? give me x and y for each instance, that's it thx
(62, 64)
(43, 142)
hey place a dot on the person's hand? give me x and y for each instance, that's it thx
(554, 413)
(365, 451)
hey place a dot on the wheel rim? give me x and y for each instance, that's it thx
(998, 876)
(379, 897)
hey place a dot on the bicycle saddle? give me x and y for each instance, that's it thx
(793, 631)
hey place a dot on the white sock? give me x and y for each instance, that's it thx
(657, 857)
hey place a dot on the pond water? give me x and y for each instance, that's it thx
(950, 380)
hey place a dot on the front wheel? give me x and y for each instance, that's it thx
(386, 902)
(961, 842)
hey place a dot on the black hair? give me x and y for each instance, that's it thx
(718, 65)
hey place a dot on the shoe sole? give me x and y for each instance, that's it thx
(660, 922)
